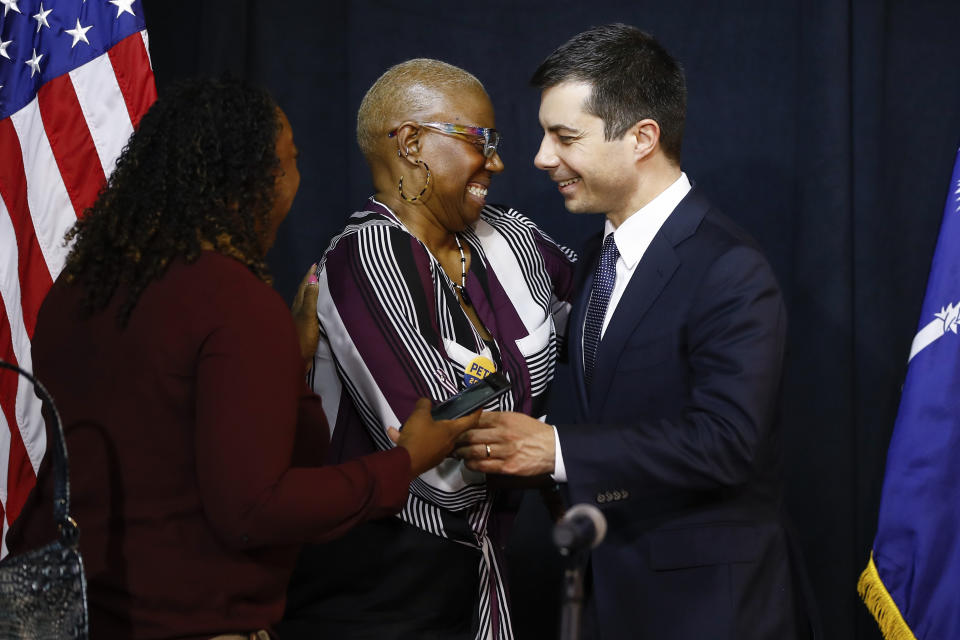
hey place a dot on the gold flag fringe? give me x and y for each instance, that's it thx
(881, 605)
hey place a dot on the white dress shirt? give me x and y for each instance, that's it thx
(632, 239)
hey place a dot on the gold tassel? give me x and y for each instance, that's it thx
(881, 605)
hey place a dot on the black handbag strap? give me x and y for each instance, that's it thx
(69, 532)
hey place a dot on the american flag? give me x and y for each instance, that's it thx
(75, 79)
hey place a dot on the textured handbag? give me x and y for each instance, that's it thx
(43, 592)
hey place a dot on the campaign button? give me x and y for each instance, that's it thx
(478, 369)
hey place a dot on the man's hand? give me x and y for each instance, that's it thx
(510, 443)
(304, 310)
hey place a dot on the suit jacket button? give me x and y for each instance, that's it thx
(608, 496)
(616, 495)
(625, 494)
(600, 498)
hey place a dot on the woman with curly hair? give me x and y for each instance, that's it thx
(194, 441)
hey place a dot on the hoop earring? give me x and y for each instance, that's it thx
(426, 185)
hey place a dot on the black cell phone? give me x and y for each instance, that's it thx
(471, 398)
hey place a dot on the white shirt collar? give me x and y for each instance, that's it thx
(637, 232)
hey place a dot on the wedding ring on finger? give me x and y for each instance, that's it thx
(488, 449)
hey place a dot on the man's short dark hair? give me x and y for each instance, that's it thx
(632, 78)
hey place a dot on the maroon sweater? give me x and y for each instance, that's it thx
(191, 437)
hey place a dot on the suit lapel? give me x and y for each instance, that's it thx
(582, 283)
(649, 278)
(653, 272)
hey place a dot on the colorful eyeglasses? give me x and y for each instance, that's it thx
(490, 137)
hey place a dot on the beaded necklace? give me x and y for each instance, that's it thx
(461, 288)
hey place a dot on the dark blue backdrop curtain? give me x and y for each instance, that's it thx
(827, 128)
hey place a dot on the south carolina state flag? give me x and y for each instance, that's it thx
(912, 583)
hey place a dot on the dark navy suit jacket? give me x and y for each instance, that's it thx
(676, 440)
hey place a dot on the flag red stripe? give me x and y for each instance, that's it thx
(131, 65)
(20, 475)
(34, 277)
(71, 142)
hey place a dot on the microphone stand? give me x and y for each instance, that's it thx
(570, 613)
(581, 529)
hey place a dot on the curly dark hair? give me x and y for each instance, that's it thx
(199, 168)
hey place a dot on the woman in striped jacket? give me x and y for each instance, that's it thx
(427, 289)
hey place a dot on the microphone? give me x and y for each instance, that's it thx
(582, 527)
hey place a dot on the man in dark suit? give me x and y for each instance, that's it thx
(676, 343)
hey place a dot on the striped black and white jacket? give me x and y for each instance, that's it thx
(392, 331)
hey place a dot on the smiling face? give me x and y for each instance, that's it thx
(593, 175)
(461, 173)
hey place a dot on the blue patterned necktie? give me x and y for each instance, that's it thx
(603, 279)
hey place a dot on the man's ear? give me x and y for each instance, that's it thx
(645, 137)
(408, 141)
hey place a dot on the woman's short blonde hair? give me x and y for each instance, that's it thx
(404, 90)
